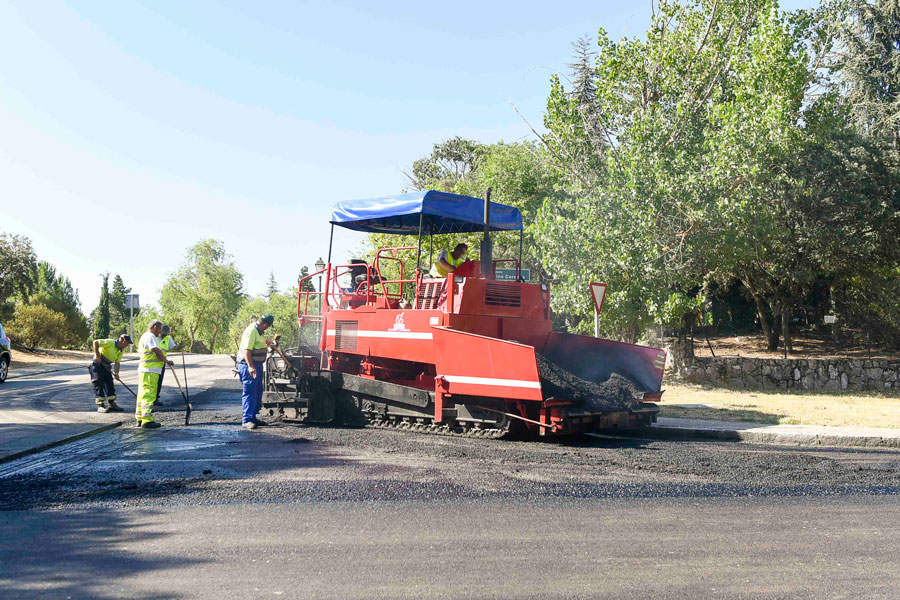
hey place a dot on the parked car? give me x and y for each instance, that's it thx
(5, 356)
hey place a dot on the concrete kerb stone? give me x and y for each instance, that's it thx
(766, 434)
(60, 442)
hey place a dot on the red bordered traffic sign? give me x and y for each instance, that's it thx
(598, 293)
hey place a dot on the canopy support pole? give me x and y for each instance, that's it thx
(487, 250)
(430, 245)
(330, 241)
(519, 266)
(419, 249)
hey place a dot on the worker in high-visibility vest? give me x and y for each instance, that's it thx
(166, 344)
(251, 355)
(152, 362)
(448, 262)
(104, 368)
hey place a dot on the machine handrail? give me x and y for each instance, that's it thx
(376, 264)
(301, 293)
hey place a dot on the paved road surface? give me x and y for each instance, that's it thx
(212, 511)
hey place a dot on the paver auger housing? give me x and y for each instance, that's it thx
(465, 355)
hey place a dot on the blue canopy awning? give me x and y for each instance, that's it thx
(441, 213)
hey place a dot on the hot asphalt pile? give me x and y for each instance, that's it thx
(613, 395)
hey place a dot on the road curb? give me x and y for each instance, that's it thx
(71, 438)
(80, 365)
(770, 437)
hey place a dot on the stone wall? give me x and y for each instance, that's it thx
(792, 373)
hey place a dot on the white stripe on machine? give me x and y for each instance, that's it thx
(491, 381)
(406, 335)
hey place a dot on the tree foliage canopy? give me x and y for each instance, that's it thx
(202, 297)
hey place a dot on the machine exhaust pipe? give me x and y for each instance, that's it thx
(487, 247)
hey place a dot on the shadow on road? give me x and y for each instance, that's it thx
(75, 554)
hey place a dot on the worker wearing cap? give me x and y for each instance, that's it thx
(107, 352)
(166, 344)
(250, 356)
(152, 362)
(448, 262)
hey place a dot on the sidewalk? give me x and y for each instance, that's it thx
(804, 435)
(37, 413)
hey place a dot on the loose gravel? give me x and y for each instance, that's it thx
(288, 463)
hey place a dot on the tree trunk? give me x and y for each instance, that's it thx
(786, 329)
(769, 331)
(212, 342)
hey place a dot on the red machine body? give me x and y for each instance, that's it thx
(470, 342)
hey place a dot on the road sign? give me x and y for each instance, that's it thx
(598, 293)
(830, 319)
(510, 274)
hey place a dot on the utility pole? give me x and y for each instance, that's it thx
(132, 301)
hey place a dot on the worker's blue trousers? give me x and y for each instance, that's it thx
(251, 400)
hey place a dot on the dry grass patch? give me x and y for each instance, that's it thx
(41, 357)
(847, 409)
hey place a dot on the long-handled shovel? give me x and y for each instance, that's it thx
(127, 388)
(187, 412)
(184, 370)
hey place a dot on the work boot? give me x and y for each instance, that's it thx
(249, 425)
(113, 407)
(102, 409)
(260, 422)
(151, 425)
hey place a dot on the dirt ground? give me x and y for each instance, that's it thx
(754, 346)
(835, 409)
(41, 357)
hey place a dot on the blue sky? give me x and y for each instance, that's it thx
(131, 130)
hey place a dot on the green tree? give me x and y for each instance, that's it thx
(205, 293)
(100, 317)
(450, 163)
(869, 60)
(271, 285)
(36, 326)
(715, 148)
(56, 293)
(18, 270)
(119, 315)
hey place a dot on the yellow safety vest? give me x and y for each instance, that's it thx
(109, 350)
(164, 344)
(437, 270)
(149, 360)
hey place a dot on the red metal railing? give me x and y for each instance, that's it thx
(369, 291)
(375, 286)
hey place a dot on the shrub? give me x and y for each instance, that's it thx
(35, 325)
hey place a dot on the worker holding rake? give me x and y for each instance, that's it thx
(105, 368)
(149, 371)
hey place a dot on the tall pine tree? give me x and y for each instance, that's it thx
(101, 313)
(271, 286)
(118, 314)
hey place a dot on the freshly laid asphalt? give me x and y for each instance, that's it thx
(213, 511)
